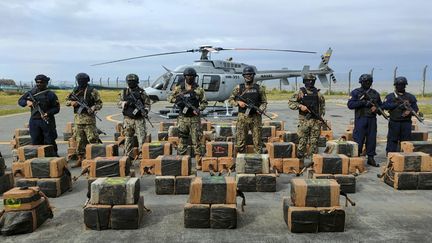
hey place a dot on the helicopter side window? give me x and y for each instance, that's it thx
(178, 80)
(211, 83)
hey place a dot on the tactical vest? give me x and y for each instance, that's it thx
(311, 101)
(396, 114)
(366, 111)
(252, 94)
(43, 101)
(88, 99)
(129, 109)
(190, 96)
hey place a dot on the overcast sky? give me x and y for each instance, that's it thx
(62, 38)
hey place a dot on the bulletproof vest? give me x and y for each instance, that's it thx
(88, 99)
(396, 114)
(311, 101)
(366, 111)
(191, 97)
(252, 94)
(129, 109)
(43, 101)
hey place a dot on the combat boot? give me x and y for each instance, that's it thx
(78, 162)
(371, 161)
(198, 162)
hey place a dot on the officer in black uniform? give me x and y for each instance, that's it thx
(399, 104)
(362, 100)
(42, 126)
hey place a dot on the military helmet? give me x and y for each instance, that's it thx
(248, 70)
(365, 78)
(82, 77)
(132, 77)
(189, 72)
(309, 76)
(400, 80)
(42, 77)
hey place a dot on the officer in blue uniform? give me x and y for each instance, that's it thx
(400, 104)
(42, 125)
(362, 100)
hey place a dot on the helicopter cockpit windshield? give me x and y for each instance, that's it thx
(162, 82)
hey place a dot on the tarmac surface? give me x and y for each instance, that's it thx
(381, 212)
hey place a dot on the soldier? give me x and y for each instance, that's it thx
(249, 119)
(42, 126)
(363, 101)
(84, 119)
(311, 104)
(400, 105)
(191, 101)
(134, 121)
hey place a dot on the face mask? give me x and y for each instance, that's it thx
(41, 85)
(309, 84)
(366, 84)
(132, 84)
(82, 83)
(190, 79)
(400, 88)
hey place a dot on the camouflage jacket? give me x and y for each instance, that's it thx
(236, 91)
(85, 118)
(144, 98)
(294, 102)
(198, 91)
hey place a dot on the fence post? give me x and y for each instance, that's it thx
(349, 81)
(424, 80)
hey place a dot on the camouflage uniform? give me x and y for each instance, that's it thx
(133, 122)
(85, 130)
(189, 124)
(253, 121)
(309, 128)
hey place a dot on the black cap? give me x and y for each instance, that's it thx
(42, 77)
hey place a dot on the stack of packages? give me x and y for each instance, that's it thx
(25, 209)
(115, 203)
(163, 130)
(68, 133)
(21, 137)
(326, 134)
(38, 167)
(253, 173)
(408, 171)
(224, 132)
(212, 203)
(173, 174)
(314, 207)
(416, 134)
(335, 166)
(349, 131)
(6, 178)
(283, 157)
(150, 151)
(173, 135)
(219, 156)
(350, 149)
(417, 146)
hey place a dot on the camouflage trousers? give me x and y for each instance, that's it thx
(85, 134)
(190, 128)
(131, 128)
(244, 125)
(308, 133)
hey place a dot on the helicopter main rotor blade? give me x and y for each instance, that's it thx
(138, 57)
(263, 49)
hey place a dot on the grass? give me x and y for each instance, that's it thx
(426, 109)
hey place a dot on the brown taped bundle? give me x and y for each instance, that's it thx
(182, 184)
(48, 167)
(97, 217)
(51, 187)
(127, 216)
(174, 165)
(109, 166)
(281, 150)
(315, 193)
(279, 125)
(268, 131)
(223, 216)
(196, 215)
(287, 136)
(401, 180)
(35, 151)
(313, 220)
(327, 133)
(348, 134)
(225, 163)
(330, 163)
(22, 198)
(417, 146)
(410, 162)
(277, 164)
(213, 190)
(206, 126)
(292, 165)
(419, 136)
(147, 166)
(6, 182)
(349, 148)
(101, 150)
(219, 149)
(162, 136)
(164, 126)
(207, 161)
(19, 132)
(165, 185)
(356, 165)
(155, 149)
(347, 182)
(69, 127)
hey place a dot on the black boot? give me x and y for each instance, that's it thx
(371, 161)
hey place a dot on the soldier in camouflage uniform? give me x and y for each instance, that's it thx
(189, 121)
(249, 119)
(134, 121)
(308, 99)
(85, 123)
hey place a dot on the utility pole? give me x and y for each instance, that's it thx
(296, 87)
(100, 81)
(349, 81)
(108, 82)
(117, 82)
(424, 80)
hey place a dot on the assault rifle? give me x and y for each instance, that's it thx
(407, 106)
(140, 108)
(83, 105)
(373, 102)
(250, 105)
(36, 105)
(316, 116)
(188, 105)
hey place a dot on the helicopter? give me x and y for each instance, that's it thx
(219, 77)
